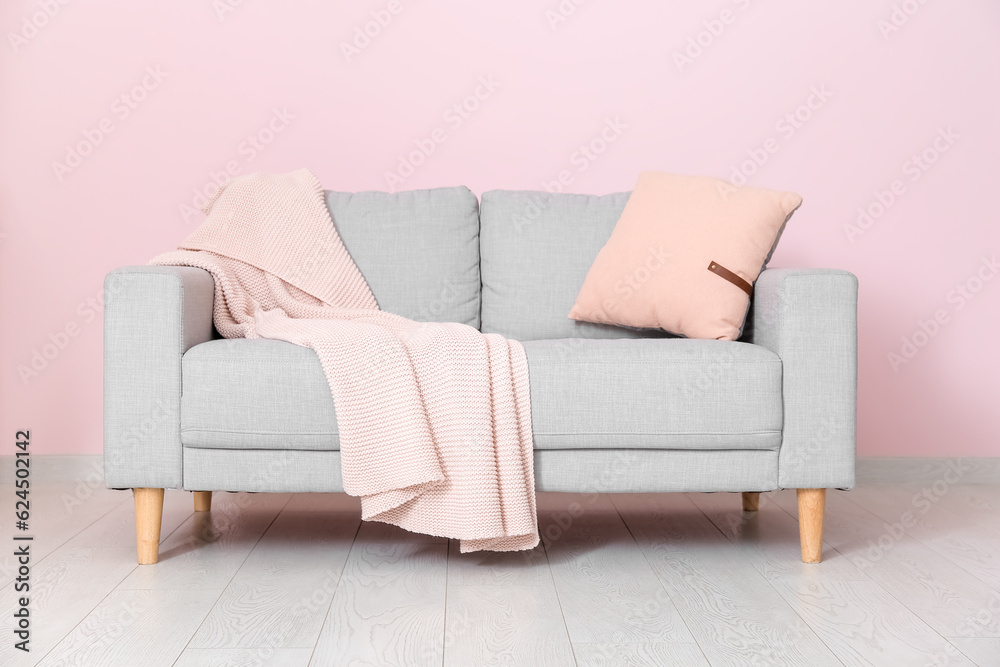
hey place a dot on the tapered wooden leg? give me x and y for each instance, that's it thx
(148, 516)
(751, 501)
(811, 505)
(202, 501)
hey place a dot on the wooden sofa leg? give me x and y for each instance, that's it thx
(751, 501)
(148, 516)
(202, 501)
(812, 502)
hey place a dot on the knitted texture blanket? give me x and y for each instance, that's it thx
(434, 419)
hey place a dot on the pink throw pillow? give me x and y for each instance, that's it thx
(684, 256)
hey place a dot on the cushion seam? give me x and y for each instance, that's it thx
(671, 361)
(579, 433)
(225, 430)
(545, 433)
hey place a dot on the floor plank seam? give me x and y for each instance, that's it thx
(236, 571)
(763, 501)
(562, 612)
(879, 586)
(56, 548)
(927, 545)
(101, 601)
(663, 585)
(333, 594)
(804, 620)
(177, 527)
(444, 633)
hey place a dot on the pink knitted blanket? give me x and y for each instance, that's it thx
(434, 419)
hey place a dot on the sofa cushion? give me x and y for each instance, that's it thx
(666, 394)
(537, 248)
(684, 256)
(418, 250)
(585, 394)
(256, 394)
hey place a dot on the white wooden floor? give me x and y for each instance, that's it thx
(911, 576)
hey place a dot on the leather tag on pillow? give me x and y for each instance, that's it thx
(684, 255)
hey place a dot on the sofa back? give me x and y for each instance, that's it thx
(418, 250)
(536, 249)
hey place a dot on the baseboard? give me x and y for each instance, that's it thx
(923, 470)
(59, 468)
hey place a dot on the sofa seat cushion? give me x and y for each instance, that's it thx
(256, 394)
(659, 394)
(585, 394)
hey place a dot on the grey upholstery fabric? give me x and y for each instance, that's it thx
(262, 470)
(593, 394)
(655, 470)
(583, 470)
(808, 317)
(256, 394)
(536, 251)
(661, 394)
(152, 316)
(418, 250)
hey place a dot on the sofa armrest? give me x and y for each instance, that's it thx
(808, 317)
(152, 315)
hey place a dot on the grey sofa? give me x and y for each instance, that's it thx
(613, 409)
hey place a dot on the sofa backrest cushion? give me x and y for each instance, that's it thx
(418, 250)
(537, 248)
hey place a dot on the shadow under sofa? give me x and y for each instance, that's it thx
(614, 410)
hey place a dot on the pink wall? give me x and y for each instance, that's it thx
(888, 94)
